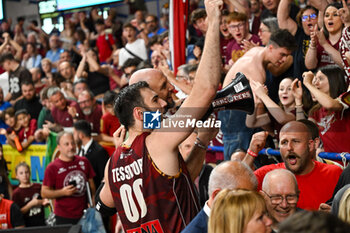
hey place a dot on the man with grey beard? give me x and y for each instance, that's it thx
(92, 112)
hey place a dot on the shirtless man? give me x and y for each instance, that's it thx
(254, 62)
(158, 181)
(253, 65)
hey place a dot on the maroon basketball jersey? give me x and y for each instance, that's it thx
(146, 199)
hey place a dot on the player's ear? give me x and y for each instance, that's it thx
(138, 113)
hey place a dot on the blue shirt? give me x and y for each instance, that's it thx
(3, 107)
(54, 56)
(159, 31)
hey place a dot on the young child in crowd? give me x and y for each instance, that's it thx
(109, 122)
(27, 197)
(26, 134)
(13, 129)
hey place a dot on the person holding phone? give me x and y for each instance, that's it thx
(65, 180)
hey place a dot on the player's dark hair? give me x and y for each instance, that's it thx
(129, 98)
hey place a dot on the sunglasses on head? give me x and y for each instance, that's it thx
(306, 17)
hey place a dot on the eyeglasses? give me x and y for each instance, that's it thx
(263, 30)
(306, 17)
(240, 25)
(278, 199)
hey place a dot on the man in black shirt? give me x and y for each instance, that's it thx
(17, 74)
(30, 101)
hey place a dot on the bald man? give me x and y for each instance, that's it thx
(281, 194)
(228, 174)
(316, 180)
(157, 82)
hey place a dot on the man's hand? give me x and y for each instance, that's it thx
(259, 89)
(72, 111)
(45, 202)
(213, 9)
(69, 190)
(324, 208)
(119, 136)
(258, 141)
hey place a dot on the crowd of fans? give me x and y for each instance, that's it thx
(60, 89)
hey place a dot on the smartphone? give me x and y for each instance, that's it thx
(37, 195)
(73, 182)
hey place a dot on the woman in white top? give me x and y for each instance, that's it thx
(31, 59)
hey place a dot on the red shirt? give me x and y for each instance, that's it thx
(58, 174)
(104, 44)
(62, 117)
(234, 50)
(146, 198)
(323, 57)
(94, 118)
(334, 129)
(109, 124)
(24, 133)
(5, 214)
(315, 187)
(223, 47)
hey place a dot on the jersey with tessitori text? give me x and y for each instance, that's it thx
(146, 199)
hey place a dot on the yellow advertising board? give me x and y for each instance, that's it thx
(34, 156)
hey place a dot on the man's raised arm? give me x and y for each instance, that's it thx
(163, 144)
(206, 81)
(209, 70)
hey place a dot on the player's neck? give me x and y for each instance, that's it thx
(133, 133)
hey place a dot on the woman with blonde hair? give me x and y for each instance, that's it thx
(239, 211)
(341, 204)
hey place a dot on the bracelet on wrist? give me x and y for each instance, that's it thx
(251, 153)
